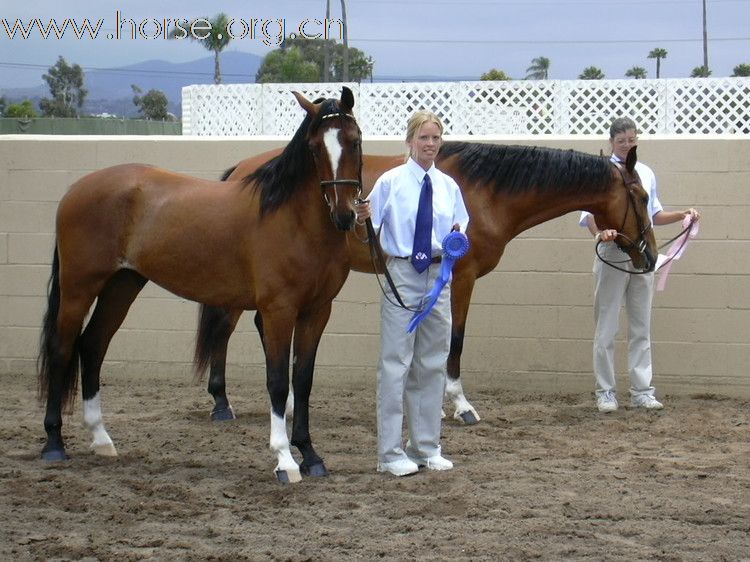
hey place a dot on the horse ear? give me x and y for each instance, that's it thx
(631, 159)
(347, 99)
(306, 104)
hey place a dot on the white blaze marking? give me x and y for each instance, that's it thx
(331, 141)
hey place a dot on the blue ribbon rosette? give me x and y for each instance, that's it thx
(455, 246)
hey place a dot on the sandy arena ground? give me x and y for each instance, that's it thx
(543, 476)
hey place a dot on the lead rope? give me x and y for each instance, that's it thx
(612, 263)
(376, 254)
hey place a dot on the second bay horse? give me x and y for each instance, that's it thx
(507, 190)
(273, 240)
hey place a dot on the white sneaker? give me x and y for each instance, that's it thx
(401, 467)
(646, 401)
(437, 462)
(606, 401)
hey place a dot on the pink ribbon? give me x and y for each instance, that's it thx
(675, 251)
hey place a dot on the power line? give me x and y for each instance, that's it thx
(546, 42)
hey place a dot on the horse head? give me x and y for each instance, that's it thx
(628, 214)
(335, 140)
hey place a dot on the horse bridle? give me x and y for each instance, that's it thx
(638, 245)
(328, 183)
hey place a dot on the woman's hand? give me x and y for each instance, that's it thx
(607, 235)
(363, 211)
(692, 213)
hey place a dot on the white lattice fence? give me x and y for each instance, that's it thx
(674, 106)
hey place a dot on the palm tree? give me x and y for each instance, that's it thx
(742, 69)
(215, 40)
(700, 72)
(539, 69)
(637, 72)
(658, 54)
(591, 73)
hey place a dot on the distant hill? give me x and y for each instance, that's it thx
(110, 92)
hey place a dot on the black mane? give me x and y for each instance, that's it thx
(519, 169)
(278, 178)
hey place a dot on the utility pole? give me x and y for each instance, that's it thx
(327, 47)
(345, 73)
(705, 38)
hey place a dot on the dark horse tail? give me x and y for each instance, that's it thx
(212, 325)
(49, 346)
(228, 173)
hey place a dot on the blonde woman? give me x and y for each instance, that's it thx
(411, 370)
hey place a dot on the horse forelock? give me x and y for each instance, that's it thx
(516, 169)
(280, 177)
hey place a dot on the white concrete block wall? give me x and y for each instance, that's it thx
(531, 317)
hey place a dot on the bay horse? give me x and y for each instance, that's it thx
(507, 190)
(271, 240)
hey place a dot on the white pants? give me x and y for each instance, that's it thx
(412, 367)
(611, 288)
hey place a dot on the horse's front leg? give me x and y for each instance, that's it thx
(277, 338)
(307, 334)
(259, 325)
(461, 288)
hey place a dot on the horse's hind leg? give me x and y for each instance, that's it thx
(59, 357)
(111, 308)
(307, 335)
(215, 327)
(461, 289)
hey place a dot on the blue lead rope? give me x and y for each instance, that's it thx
(455, 246)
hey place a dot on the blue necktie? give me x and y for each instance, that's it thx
(421, 254)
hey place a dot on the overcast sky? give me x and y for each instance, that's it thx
(446, 38)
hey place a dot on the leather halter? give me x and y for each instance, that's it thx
(628, 244)
(328, 183)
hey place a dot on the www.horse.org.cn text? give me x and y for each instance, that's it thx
(270, 32)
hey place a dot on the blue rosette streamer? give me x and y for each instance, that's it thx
(455, 246)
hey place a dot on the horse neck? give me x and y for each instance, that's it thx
(531, 209)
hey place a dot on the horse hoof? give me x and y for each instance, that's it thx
(318, 470)
(55, 455)
(225, 414)
(104, 450)
(288, 476)
(469, 418)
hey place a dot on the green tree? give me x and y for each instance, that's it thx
(700, 72)
(215, 40)
(591, 73)
(3, 105)
(539, 69)
(495, 74)
(152, 105)
(314, 50)
(287, 65)
(23, 110)
(658, 54)
(66, 86)
(742, 69)
(637, 72)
